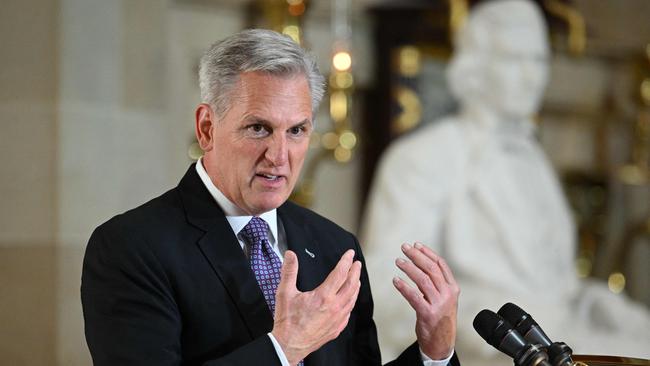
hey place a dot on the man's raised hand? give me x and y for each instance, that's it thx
(304, 321)
(435, 299)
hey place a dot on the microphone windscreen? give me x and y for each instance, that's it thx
(488, 325)
(524, 324)
(484, 323)
(499, 333)
(512, 313)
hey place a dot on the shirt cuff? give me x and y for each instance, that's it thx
(285, 362)
(429, 362)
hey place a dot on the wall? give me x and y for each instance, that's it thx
(28, 145)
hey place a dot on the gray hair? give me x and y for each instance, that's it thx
(254, 50)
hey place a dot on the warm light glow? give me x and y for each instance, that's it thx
(293, 32)
(411, 107)
(645, 91)
(338, 106)
(348, 140)
(633, 174)
(330, 140)
(342, 61)
(616, 282)
(297, 10)
(342, 155)
(341, 80)
(409, 61)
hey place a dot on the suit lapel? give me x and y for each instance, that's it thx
(311, 271)
(222, 250)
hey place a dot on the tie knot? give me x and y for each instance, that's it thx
(255, 231)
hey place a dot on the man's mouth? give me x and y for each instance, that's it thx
(269, 177)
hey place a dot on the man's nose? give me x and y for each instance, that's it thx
(277, 150)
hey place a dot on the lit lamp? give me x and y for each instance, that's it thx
(285, 16)
(338, 143)
(342, 140)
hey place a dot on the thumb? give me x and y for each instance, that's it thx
(289, 272)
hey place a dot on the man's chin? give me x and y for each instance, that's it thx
(265, 204)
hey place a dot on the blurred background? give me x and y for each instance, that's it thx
(97, 106)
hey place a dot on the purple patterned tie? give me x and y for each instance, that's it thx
(265, 263)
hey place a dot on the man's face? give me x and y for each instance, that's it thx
(255, 152)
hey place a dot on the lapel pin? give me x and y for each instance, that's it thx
(310, 253)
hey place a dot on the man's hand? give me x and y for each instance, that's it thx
(304, 321)
(435, 300)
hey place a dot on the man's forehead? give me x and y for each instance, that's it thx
(269, 98)
(258, 82)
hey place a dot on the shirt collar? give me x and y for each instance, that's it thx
(236, 217)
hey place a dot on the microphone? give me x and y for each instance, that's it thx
(500, 334)
(524, 324)
(559, 353)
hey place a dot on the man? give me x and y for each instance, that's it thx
(193, 276)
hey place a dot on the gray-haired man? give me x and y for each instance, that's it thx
(222, 270)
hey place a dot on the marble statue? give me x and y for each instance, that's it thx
(478, 189)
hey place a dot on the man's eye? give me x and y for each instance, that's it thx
(296, 130)
(257, 129)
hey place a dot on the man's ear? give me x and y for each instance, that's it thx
(205, 121)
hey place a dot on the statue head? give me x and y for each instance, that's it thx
(500, 63)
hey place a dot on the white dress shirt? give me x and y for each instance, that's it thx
(237, 219)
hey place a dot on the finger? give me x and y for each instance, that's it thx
(421, 279)
(350, 301)
(350, 298)
(427, 251)
(352, 279)
(412, 296)
(426, 265)
(289, 272)
(444, 267)
(339, 274)
(446, 271)
(340, 318)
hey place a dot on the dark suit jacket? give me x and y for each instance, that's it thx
(168, 284)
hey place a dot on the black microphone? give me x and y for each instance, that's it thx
(524, 324)
(500, 334)
(559, 353)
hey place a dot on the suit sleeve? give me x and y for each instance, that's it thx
(131, 317)
(412, 356)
